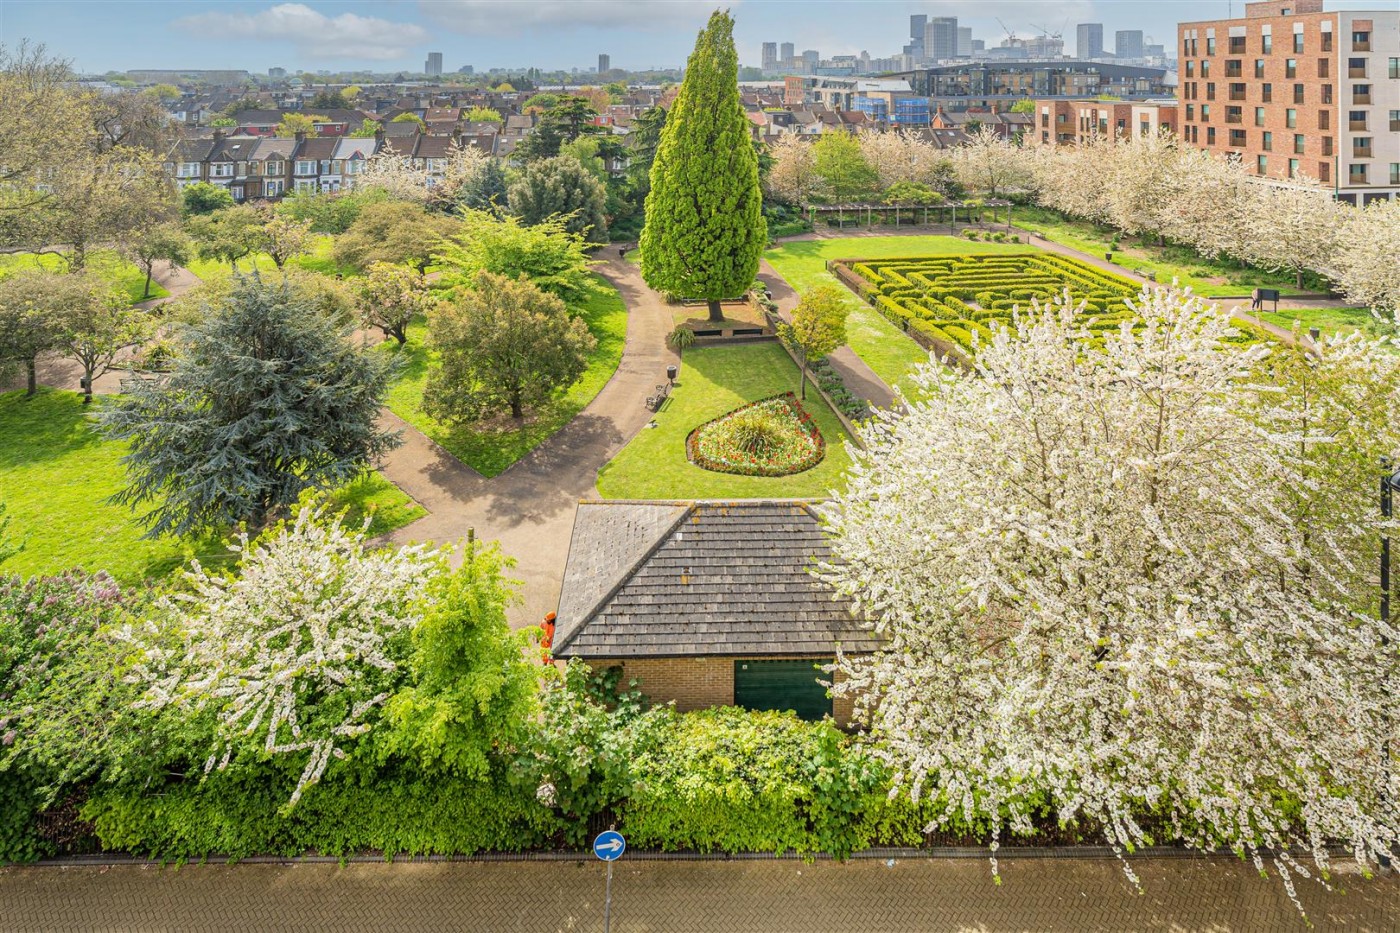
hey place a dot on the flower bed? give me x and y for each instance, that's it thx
(771, 437)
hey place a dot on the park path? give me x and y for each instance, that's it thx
(1221, 895)
(529, 508)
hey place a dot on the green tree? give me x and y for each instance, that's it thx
(549, 256)
(285, 238)
(98, 323)
(204, 198)
(484, 115)
(540, 102)
(229, 234)
(486, 190)
(34, 304)
(561, 187)
(393, 231)
(411, 118)
(1025, 105)
(366, 130)
(164, 92)
(841, 166)
(704, 222)
(268, 398)
(818, 327)
(328, 212)
(565, 122)
(329, 100)
(390, 297)
(167, 242)
(294, 123)
(503, 344)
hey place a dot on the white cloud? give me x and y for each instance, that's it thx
(518, 17)
(315, 35)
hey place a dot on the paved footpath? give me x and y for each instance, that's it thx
(774, 896)
(530, 507)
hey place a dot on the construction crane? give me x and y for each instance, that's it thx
(1010, 33)
(1058, 34)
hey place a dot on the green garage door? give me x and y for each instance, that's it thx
(782, 685)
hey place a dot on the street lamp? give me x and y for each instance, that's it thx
(1390, 482)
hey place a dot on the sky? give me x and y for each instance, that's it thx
(393, 35)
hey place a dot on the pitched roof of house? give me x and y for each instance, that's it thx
(274, 148)
(317, 147)
(233, 148)
(686, 579)
(434, 147)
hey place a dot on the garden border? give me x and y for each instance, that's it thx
(691, 442)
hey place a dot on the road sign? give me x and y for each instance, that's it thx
(609, 845)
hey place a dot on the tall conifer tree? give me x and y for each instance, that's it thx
(704, 228)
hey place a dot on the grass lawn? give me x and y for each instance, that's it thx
(105, 262)
(490, 452)
(1331, 321)
(715, 380)
(874, 339)
(56, 473)
(1209, 277)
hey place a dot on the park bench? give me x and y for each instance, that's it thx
(655, 401)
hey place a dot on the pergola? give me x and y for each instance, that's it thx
(945, 209)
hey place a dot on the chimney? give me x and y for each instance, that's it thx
(379, 138)
(218, 134)
(300, 136)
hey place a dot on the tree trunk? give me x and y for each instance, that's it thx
(517, 411)
(716, 312)
(33, 378)
(1299, 278)
(147, 292)
(87, 386)
(400, 334)
(802, 378)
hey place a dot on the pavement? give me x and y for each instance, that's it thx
(770, 895)
(529, 508)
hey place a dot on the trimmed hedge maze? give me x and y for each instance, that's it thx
(947, 303)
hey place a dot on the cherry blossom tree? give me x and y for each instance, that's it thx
(1116, 591)
(793, 177)
(1364, 263)
(297, 651)
(990, 163)
(408, 179)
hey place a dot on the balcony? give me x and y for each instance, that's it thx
(1237, 95)
(1361, 46)
(1356, 126)
(1361, 100)
(1356, 72)
(1234, 118)
(1361, 152)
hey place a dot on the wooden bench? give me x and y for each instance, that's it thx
(654, 402)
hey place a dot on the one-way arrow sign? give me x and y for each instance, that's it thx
(609, 845)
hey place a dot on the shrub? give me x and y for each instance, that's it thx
(770, 437)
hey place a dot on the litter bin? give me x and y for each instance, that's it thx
(671, 372)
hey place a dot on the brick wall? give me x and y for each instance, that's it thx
(696, 683)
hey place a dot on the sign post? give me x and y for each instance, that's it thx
(609, 846)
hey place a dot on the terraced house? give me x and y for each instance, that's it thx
(1291, 89)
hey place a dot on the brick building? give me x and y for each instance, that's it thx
(1061, 122)
(1291, 89)
(707, 603)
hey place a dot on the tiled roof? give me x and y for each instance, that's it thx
(687, 579)
(317, 147)
(275, 148)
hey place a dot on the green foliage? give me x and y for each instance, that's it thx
(818, 327)
(734, 781)
(541, 101)
(1026, 105)
(329, 100)
(411, 118)
(505, 344)
(547, 254)
(704, 224)
(567, 120)
(329, 212)
(204, 198)
(367, 129)
(840, 163)
(227, 234)
(680, 339)
(581, 757)
(229, 437)
(485, 190)
(34, 309)
(399, 232)
(912, 192)
(484, 115)
(470, 689)
(561, 188)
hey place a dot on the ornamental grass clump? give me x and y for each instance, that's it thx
(771, 437)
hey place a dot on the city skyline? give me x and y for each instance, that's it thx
(550, 34)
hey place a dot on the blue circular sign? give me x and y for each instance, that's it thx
(609, 845)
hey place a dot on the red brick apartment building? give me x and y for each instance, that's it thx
(1062, 122)
(1291, 90)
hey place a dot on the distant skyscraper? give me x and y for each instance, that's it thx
(770, 56)
(604, 64)
(276, 72)
(433, 66)
(1090, 41)
(787, 52)
(917, 25)
(811, 57)
(941, 38)
(964, 49)
(1128, 43)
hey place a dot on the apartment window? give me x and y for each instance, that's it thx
(1190, 112)
(1205, 113)
(1292, 168)
(1210, 46)
(306, 184)
(1356, 67)
(1258, 116)
(1327, 93)
(305, 167)
(1324, 68)
(1291, 120)
(1266, 43)
(1190, 69)
(1324, 119)
(1267, 90)
(1356, 174)
(1395, 67)
(1361, 147)
(1290, 68)
(1395, 173)
(1233, 68)
(1327, 145)
(1298, 42)
(189, 169)
(1259, 68)
(1234, 114)
(1324, 171)
(1238, 139)
(1395, 121)
(1210, 136)
(1210, 90)
(1298, 142)
(1261, 164)
(1356, 120)
(1205, 69)
(1361, 42)
(274, 168)
(221, 170)
(273, 187)
(1298, 93)
(1237, 45)
(1361, 94)
(1327, 42)
(1237, 92)
(1267, 143)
